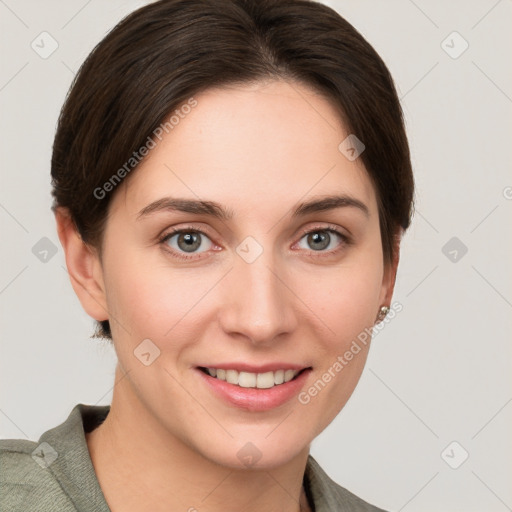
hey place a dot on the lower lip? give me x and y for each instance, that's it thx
(255, 399)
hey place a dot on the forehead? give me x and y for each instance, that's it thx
(259, 147)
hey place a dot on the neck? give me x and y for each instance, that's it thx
(142, 467)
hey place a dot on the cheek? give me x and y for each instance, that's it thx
(150, 298)
(345, 302)
(346, 299)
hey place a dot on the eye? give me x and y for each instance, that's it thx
(187, 241)
(327, 240)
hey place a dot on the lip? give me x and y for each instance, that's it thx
(254, 399)
(244, 367)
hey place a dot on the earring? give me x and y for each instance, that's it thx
(383, 311)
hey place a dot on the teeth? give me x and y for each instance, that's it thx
(265, 380)
(232, 376)
(246, 380)
(253, 380)
(279, 377)
(289, 374)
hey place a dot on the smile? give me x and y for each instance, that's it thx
(252, 388)
(243, 379)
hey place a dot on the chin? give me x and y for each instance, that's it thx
(254, 452)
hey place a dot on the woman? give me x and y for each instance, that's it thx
(231, 181)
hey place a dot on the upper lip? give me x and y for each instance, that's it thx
(251, 368)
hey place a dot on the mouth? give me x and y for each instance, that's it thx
(263, 380)
(264, 388)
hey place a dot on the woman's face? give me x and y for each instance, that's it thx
(244, 287)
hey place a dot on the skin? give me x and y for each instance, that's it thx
(260, 149)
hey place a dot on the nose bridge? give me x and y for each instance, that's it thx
(258, 305)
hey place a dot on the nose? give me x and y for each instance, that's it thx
(257, 303)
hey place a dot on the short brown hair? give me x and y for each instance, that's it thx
(162, 54)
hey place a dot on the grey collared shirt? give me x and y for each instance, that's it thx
(56, 473)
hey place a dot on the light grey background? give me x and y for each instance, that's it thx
(438, 373)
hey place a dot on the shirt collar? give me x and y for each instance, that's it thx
(74, 471)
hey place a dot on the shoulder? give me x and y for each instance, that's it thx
(327, 495)
(54, 473)
(25, 481)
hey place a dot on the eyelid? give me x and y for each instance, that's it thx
(168, 234)
(173, 230)
(325, 227)
(346, 239)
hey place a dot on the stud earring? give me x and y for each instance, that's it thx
(383, 311)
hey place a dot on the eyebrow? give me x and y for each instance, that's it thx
(216, 210)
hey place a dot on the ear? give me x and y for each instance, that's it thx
(83, 266)
(390, 269)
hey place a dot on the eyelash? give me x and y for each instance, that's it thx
(345, 240)
(175, 231)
